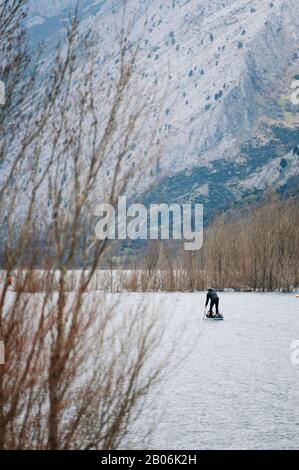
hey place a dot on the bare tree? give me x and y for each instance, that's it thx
(76, 368)
(255, 249)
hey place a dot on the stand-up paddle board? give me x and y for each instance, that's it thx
(213, 318)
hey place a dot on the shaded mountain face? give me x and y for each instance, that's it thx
(227, 67)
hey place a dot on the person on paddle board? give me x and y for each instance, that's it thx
(213, 298)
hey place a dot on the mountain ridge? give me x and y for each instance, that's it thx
(228, 65)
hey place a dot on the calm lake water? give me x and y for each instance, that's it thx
(232, 384)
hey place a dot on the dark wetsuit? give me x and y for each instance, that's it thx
(213, 297)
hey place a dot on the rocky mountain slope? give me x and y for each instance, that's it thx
(227, 67)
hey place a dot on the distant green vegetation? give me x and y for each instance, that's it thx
(222, 176)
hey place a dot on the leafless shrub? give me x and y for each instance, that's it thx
(74, 375)
(256, 250)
